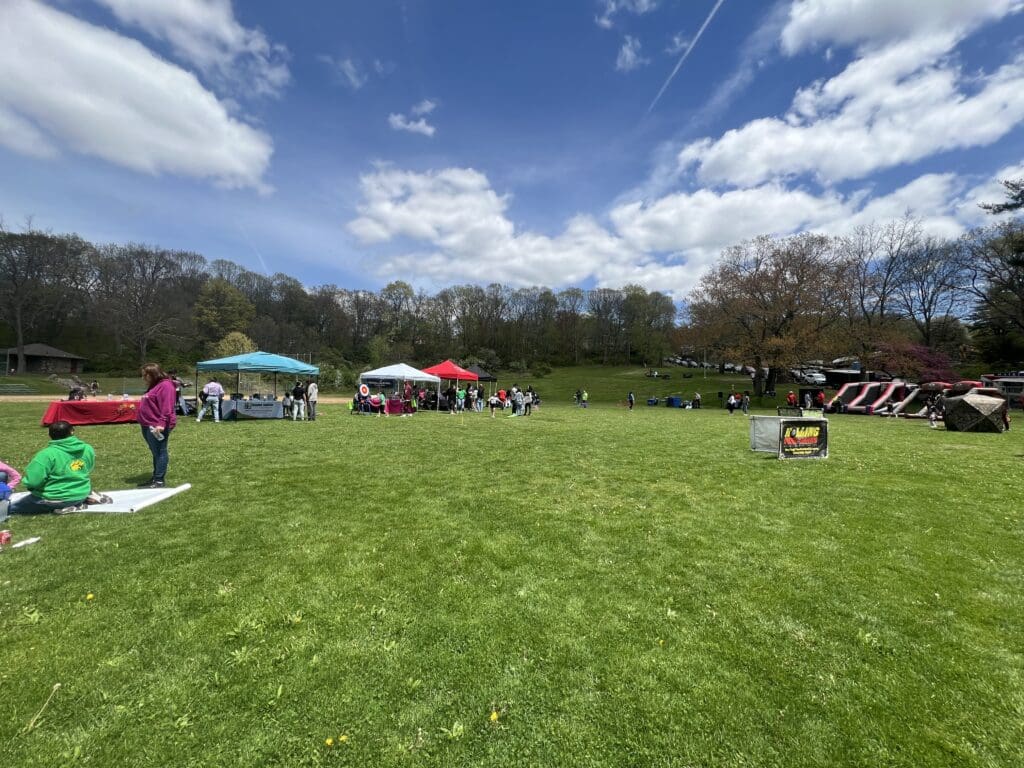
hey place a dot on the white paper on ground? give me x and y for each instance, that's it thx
(127, 501)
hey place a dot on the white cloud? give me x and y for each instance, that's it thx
(893, 106)
(709, 221)
(402, 123)
(425, 107)
(22, 136)
(612, 7)
(852, 22)
(989, 191)
(452, 226)
(629, 57)
(205, 34)
(420, 126)
(346, 71)
(677, 44)
(69, 83)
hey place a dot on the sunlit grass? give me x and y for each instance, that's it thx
(575, 588)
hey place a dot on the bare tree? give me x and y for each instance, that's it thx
(993, 264)
(929, 289)
(878, 256)
(40, 273)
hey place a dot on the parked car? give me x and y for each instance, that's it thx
(817, 378)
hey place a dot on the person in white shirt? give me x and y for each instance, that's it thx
(312, 392)
(212, 392)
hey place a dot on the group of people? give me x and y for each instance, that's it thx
(300, 402)
(522, 402)
(581, 397)
(58, 477)
(736, 400)
(818, 401)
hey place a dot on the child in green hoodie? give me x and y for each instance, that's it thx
(57, 478)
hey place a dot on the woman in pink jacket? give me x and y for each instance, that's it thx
(157, 417)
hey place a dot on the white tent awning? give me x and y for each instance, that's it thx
(398, 372)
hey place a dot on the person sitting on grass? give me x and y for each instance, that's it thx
(57, 478)
(9, 477)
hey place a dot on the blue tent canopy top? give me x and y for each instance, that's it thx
(259, 362)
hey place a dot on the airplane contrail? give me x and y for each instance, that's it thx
(686, 53)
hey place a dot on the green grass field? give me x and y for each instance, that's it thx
(585, 588)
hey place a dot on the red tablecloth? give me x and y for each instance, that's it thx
(92, 412)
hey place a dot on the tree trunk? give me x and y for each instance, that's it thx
(19, 330)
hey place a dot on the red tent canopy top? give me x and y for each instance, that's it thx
(449, 370)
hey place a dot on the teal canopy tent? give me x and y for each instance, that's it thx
(257, 362)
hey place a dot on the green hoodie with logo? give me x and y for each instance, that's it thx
(60, 472)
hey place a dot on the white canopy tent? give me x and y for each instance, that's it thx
(393, 375)
(397, 372)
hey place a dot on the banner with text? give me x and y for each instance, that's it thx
(803, 439)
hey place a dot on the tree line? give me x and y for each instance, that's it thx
(122, 304)
(887, 294)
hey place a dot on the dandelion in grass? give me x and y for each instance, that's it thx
(494, 716)
(343, 738)
(90, 596)
(329, 741)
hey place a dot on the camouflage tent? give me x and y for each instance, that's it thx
(975, 413)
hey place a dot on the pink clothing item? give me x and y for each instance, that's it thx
(157, 406)
(13, 476)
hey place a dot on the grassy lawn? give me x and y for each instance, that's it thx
(585, 588)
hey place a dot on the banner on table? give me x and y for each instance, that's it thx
(251, 409)
(803, 439)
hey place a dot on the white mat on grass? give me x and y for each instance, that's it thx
(131, 500)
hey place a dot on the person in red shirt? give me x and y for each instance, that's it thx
(791, 399)
(819, 399)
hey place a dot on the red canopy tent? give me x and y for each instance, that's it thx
(449, 370)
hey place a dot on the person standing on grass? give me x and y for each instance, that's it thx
(57, 478)
(731, 403)
(745, 402)
(158, 419)
(791, 399)
(212, 393)
(584, 398)
(312, 395)
(630, 399)
(696, 399)
(179, 392)
(299, 404)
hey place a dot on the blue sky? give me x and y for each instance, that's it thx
(446, 142)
